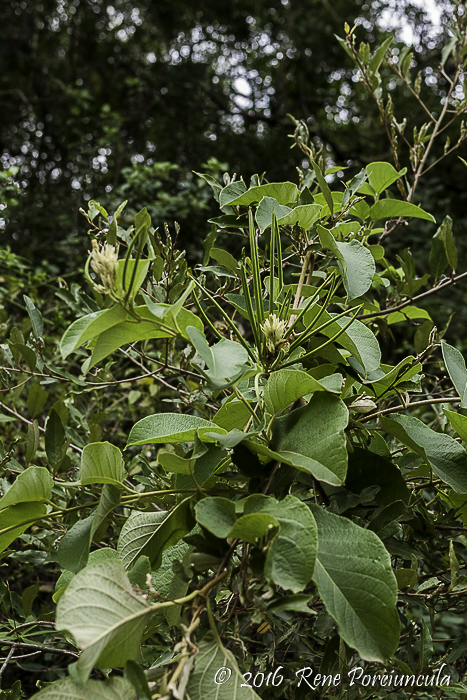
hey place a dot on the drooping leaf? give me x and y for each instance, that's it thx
(324, 187)
(54, 438)
(37, 398)
(443, 249)
(357, 263)
(291, 556)
(104, 615)
(101, 463)
(169, 427)
(73, 549)
(114, 688)
(355, 580)
(392, 208)
(446, 457)
(455, 365)
(150, 533)
(34, 484)
(35, 316)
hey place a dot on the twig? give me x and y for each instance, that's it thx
(37, 648)
(385, 312)
(394, 409)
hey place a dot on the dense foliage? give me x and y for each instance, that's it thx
(232, 468)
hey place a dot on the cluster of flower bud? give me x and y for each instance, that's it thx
(104, 262)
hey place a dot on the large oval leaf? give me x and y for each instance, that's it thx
(286, 386)
(151, 533)
(315, 432)
(34, 484)
(392, 208)
(169, 427)
(355, 580)
(104, 615)
(101, 463)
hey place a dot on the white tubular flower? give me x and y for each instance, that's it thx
(274, 331)
(104, 262)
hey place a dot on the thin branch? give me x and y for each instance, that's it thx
(37, 648)
(391, 310)
(30, 422)
(394, 409)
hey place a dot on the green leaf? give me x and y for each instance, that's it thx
(381, 175)
(446, 457)
(357, 263)
(34, 484)
(253, 527)
(54, 438)
(356, 583)
(170, 427)
(232, 414)
(135, 674)
(35, 316)
(142, 267)
(37, 398)
(291, 556)
(224, 258)
(73, 550)
(130, 332)
(32, 441)
(111, 689)
(304, 215)
(226, 360)
(392, 208)
(410, 312)
(447, 49)
(265, 211)
(457, 421)
(358, 339)
(212, 657)
(312, 438)
(293, 603)
(231, 193)
(286, 386)
(149, 534)
(443, 249)
(88, 327)
(455, 365)
(104, 615)
(101, 463)
(324, 187)
(217, 515)
(23, 516)
(367, 469)
(282, 192)
(379, 54)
